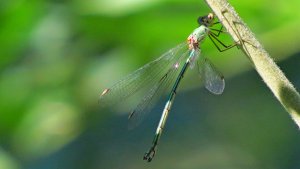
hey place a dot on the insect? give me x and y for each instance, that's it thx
(157, 76)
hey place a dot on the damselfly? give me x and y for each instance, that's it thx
(157, 76)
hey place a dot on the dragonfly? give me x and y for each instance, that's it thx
(157, 76)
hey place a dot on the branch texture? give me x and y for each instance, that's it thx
(275, 79)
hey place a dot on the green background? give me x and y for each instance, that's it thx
(56, 57)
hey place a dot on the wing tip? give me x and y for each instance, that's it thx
(105, 91)
(219, 90)
(130, 115)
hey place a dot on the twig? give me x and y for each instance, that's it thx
(275, 79)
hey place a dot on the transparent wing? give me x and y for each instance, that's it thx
(149, 100)
(210, 76)
(144, 77)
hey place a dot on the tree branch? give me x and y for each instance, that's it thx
(275, 79)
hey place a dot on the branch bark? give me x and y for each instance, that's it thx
(271, 74)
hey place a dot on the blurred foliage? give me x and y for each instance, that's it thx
(57, 56)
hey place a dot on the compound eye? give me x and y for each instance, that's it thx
(201, 20)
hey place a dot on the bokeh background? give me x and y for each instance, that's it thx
(57, 56)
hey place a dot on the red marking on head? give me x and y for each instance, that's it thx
(210, 16)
